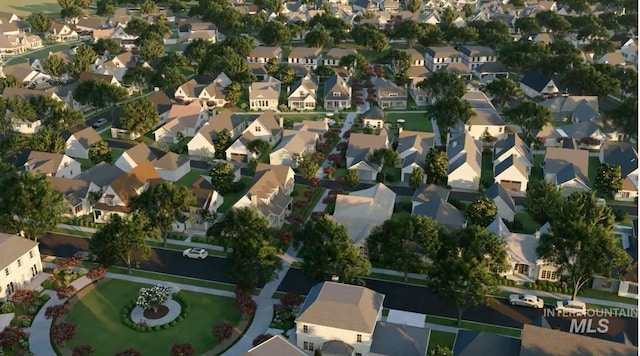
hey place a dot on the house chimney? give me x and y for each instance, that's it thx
(280, 121)
(537, 234)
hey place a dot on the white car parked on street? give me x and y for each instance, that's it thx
(571, 307)
(526, 300)
(196, 253)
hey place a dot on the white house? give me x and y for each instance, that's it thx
(264, 95)
(135, 155)
(437, 58)
(487, 121)
(202, 144)
(373, 118)
(475, 56)
(567, 168)
(262, 54)
(172, 166)
(624, 155)
(208, 200)
(302, 94)
(333, 57)
(24, 73)
(535, 84)
(465, 162)
(359, 149)
(512, 162)
(183, 121)
(48, 164)
(61, 32)
(267, 127)
(413, 147)
(80, 140)
(337, 93)
(311, 58)
(294, 145)
(504, 202)
(20, 262)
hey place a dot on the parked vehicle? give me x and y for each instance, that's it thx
(571, 307)
(195, 253)
(526, 300)
(99, 123)
(85, 256)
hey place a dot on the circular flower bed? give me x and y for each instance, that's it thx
(141, 327)
(156, 314)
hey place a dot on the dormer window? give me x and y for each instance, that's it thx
(393, 95)
(258, 129)
(108, 199)
(28, 167)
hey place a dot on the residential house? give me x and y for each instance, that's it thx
(337, 93)
(458, 69)
(260, 71)
(135, 155)
(362, 210)
(61, 32)
(512, 162)
(262, 54)
(210, 93)
(12, 25)
(504, 202)
(81, 191)
(320, 127)
(333, 57)
(512, 144)
(270, 193)
(78, 141)
(567, 169)
(615, 59)
(586, 134)
(432, 201)
(120, 35)
(359, 149)
(624, 155)
(184, 121)
(202, 144)
(117, 195)
(413, 147)
(535, 84)
(416, 75)
(373, 118)
(437, 58)
(89, 24)
(465, 162)
(389, 95)
(109, 79)
(199, 216)
(548, 136)
(294, 145)
(522, 256)
(21, 264)
(491, 71)
(309, 57)
(37, 63)
(276, 345)
(11, 45)
(118, 66)
(264, 95)
(204, 30)
(547, 341)
(48, 164)
(630, 52)
(26, 125)
(172, 166)
(625, 285)
(265, 127)
(302, 94)
(486, 124)
(120, 17)
(360, 6)
(24, 73)
(573, 108)
(163, 105)
(475, 56)
(417, 59)
(472, 342)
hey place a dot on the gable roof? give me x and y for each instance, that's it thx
(496, 191)
(265, 52)
(43, 162)
(341, 306)
(535, 80)
(307, 83)
(396, 339)
(317, 126)
(360, 145)
(73, 190)
(102, 174)
(296, 141)
(13, 247)
(265, 90)
(21, 71)
(467, 150)
(477, 51)
(24, 93)
(485, 112)
(171, 161)
(141, 152)
(277, 345)
(336, 84)
(512, 141)
(507, 163)
(623, 154)
(438, 209)
(127, 184)
(305, 52)
(338, 53)
(469, 342)
(224, 120)
(441, 52)
(567, 164)
(419, 142)
(86, 135)
(430, 192)
(374, 113)
(84, 76)
(161, 101)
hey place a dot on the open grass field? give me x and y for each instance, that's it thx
(98, 317)
(412, 121)
(25, 7)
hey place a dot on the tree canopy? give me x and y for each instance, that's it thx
(542, 201)
(121, 240)
(139, 116)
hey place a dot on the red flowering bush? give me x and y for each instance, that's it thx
(129, 352)
(318, 156)
(183, 350)
(23, 297)
(222, 331)
(56, 311)
(300, 204)
(346, 134)
(284, 236)
(63, 332)
(64, 264)
(313, 182)
(308, 194)
(96, 273)
(83, 350)
(291, 300)
(66, 292)
(342, 180)
(11, 336)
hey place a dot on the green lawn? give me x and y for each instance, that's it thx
(190, 177)
(41, 53)
(599, 294)
(340, 172)
(594, 162)
(536, 170)
(413, 121)
(311, 202)
(26, 7)
(299, 117)
(400, 215)
(389, 277)
(474, 326)
(529, 226)
(116, 153)
(440, 338)
(486, 174)
(232, 198)
(84, 163)
(98, 316)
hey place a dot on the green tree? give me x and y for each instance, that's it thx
(543, 201)
(138, 77)
(404, 245)
(136, 26)
(503, 90)
(152, 48)
(521, 55)
(328, 252)
(100, 152)
(436, 165)
(413, 5)
(440, 350)
(287, 76)
(30, 204)
(466, 268)
(63, 119)
(387, 158)
(353, 178)
(222, 141)
(233, 92)
(71, 12)
(416, 179)
(409, 30)
(608, 179)
(252, 256)
(323, 71)
(317, 37)
(443, 85)
(529, 116)
(590, 81)
(581, 241)
(121, 240)
(222, 177)
(482, 211)
(39, 22)
(274, 33)
(163, 204)
(430, 35)
(139, 116)
(273, 67)
(260, 147)
(625, 117)
(105, 8)
(47, 140)
(107, 46)
(252, 165)
(148, 7)
(449, 113)
(10, 82)
(81, 60)
(197, 50)
(168, 78)
(527, 26)
(493, 33)
(308, 168)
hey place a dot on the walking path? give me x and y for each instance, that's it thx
(320, 206)
(346, 126)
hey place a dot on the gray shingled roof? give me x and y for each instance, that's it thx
(510, 141)
(74, 190)
(473, 343)
(396, 339)
(442, 212)
(102, 174)
(337, 348)
(535, 80)
(623, 154)
(579, 130)
(496, 191)
(374, 113)
(430, 192)
(508, 162)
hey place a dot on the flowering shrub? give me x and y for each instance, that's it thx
(183, 350)
(283, 318)
(244, 302)
(66, 292)
(11, 336)
(24, 320)
(284, 236)
(23, 297)
(313, 182)
(65, 264)
(96, 273)
(330, 171)
(336, 191)
(318, 156)
(7, 307)
(329, 199)
(83, 350)
(308, 194)
(152, 298)
(291, 300)
(342, 180)
(346, 134)
(294, 218)
(222, 331)
(63, 332)
(129, 352)
(300, 204)
(317, 214)
(56, 311)
(342, 146)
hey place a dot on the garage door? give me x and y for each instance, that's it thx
(510, 185)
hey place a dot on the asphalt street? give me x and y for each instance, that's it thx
(399, 296)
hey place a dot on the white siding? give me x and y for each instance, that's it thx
(20, 273)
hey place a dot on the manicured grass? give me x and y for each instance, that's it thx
(26, 7)
(619, 202)
(311, 202)
(486, 174)
(116, 153)
(299, 117)
(536, 170)
(529, 226)
(340, 172)
(440, 338)
(400, 215)
(174, 279)
(558, 123)
(73, 232)
(385, 312)
(190, 177)
(84, 163)
(98, 315)
(413, 121)
(389, 277)
(594, 162)
(473, 326)
(41, 53)
(232, 198)
(599, 294)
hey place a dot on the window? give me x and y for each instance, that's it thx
(19, 262)
(305, 329)
(258, 128)
(336, 93)
(500, 129)
(6, 271)
(606, 284)
(30, 254)
(307, 346)
(633, 289)
(546, 274)
(78, 209)
(393, 95)
(359, 338)
(625, 194)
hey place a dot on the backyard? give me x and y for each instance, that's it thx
(441, 338)
(412, 121)
(594, 163)
(190, 177)
(232, 198)
(98, 316)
